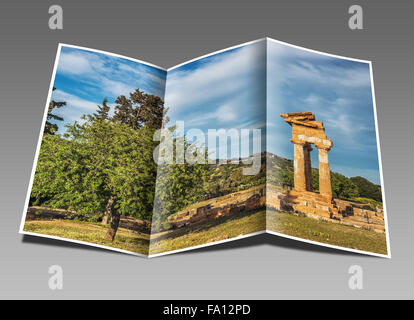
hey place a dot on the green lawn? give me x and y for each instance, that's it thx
(216, 230)
(90, 232)
(202, 233)
(326, 232)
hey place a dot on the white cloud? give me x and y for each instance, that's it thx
(73, 63)
(109, 74)
(295, 64)
(220, 79)
(75, 106)
(338, 92)
(74, 101)
(142, 74)
(116, 88)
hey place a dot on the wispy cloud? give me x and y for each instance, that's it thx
(84, 78)
(75, 63)
(75, 106)
(107, 72)
(337, 90)
(223, 91)
(217, 79)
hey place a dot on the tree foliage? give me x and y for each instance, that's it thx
(104, 166)
(51, 128)
(96, 161)
(102, 113)
(367, 189)
(280, 171)
(140, 109)
(343, 187)
(178, 185)
(181, 185)
(98, 166)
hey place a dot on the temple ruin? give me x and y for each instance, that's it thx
(306, 131)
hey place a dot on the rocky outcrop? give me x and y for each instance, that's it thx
(315, 206)
(361, 215)
(236, 203)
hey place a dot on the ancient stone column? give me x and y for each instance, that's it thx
(299, 167)
(308, 167)
(324, 174)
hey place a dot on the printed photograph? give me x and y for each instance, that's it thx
(323, 169)
(217, 105)
(95, 175)
(261, 137)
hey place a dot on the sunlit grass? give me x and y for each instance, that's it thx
(326, 232)
(90, 232)
(211, 231)
(216, 230)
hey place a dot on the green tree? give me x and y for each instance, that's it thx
(98, 166)
(179, 185)
(103, 111)
(315, 179)
(286, 177)
(367, 189)
(140, 109)
(51, 128)
(343, 187)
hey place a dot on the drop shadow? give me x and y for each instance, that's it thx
(254, 241)
(276, 241)
(62, 243)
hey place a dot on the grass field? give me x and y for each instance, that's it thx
(90, 232)
(326, 232)
(215, 230)
(218, 229)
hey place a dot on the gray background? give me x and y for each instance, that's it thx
(167, 33)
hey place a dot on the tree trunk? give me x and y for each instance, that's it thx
(115, 218)
(108, 212)
(105, 219)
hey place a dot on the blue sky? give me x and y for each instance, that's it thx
(230, 90)
(338, 92)
(85, 77)
(222, 91)
(227, 90)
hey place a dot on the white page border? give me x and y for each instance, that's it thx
(21, 231)
(39, 142)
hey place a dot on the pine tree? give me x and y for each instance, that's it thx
(140, 109)
(51, 128)
(102, 112)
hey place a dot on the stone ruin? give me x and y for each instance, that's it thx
(306, 131)
(236, 203)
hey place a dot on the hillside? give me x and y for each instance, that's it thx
(280, 172)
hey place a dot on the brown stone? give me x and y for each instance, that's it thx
(305, 132)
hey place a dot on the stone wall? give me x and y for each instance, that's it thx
(341, 211)
(234, 204)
